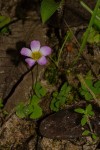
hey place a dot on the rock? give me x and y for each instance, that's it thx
(50, 144)
(61, 125)
(66, 124)
(15, 133)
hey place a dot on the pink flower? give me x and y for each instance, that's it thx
(36, 53)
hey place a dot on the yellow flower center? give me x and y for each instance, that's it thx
(36, 55)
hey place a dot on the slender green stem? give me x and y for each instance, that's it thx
(88, 30)
(53, 61)
(61, 49)
(36, 74)
(89, 124)
(34, 81)
(88, 9)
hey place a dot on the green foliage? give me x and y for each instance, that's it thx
(97, 20)
(3, 22)
(88, 112)
(39, 90)
(86, 132)
(32, 110)
(94, 87)
(93, 37)
(48, 7)
(59, 98)
(1, 103)
(94, 136)
(51, 74)
(20, 110)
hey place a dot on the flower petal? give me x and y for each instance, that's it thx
(45, 50)
(26, 52)
(42, 60)
(35, 45)
(30, 62)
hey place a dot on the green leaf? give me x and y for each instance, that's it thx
(28, 109)
(88, 96)
(57, 104)
(94, 36)
(37, 113)
(94, 136)
(80, 110)
(91, 113)
(86, 132)
(48, 7)
(89, 108)
(35, 100)
(53, 106)
(39, 90)
(62, 100)
(97, 38)
(4, 30)
(1, 103)
(65, 89)
(97, 21)
(94, 88)
(88, 82)
(89, 75)
(43, 91)
(97, 84)
(83, 120)
(55, 94)
(4, 20)
(20, 111)
(59, 98)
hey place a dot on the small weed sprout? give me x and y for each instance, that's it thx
(87, 114)
(32, 110)
(59, 98)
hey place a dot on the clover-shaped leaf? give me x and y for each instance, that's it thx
(39, 90)
(37, 112)
(59, 98)
(35, 100)
(20, 112)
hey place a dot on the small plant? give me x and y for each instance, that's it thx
(89, 89)
(59, 98)
(34, 55)
(94, 37)
(90, 25)
(87, 115)
(32, 110)
(3, 22)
